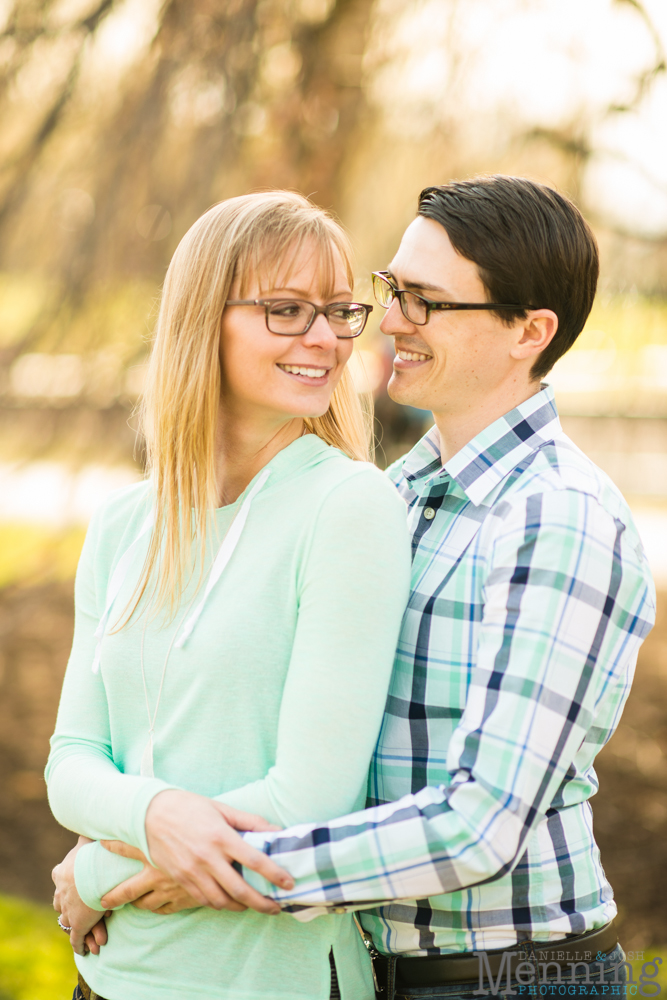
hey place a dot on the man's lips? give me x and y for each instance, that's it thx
(307, 374)
(410, 359)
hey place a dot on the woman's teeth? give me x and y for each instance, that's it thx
(407, 356)
(300, 370)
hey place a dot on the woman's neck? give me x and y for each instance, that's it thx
(244, 447)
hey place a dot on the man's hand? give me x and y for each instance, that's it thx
(89, 931)
(149, 889)
(193, 840)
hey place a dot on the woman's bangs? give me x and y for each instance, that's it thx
(274, 263)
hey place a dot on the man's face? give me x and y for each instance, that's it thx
(463, 356)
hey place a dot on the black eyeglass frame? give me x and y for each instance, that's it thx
(432, 306)
(318, 310)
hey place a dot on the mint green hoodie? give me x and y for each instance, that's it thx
(272, 704)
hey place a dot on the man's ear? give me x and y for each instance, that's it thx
(536, 332)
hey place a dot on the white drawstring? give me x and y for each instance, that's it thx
(225, 553)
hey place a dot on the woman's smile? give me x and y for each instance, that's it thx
(314, 375)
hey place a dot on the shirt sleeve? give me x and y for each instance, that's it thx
(97, 871)
(353, 587)
(554, 640)
(87, 792)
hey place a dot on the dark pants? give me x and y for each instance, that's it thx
(608, 981)
(84, 992)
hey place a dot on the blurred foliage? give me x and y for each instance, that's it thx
(35, 956)
(123, 120)
(31, 554)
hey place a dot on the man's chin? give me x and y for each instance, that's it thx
(405, 395)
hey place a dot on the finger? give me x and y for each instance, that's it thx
(125, 850)
(240, 820)
(77, 940)
(56, 902)
(260, 863)
(158, 901)
(236, 887)
(91, 944)
(99, 933)
(54, 872)
(206, 889)
(129, 890)
(152, 901)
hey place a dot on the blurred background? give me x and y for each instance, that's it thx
(121, 121)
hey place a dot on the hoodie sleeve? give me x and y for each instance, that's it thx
(354, 586)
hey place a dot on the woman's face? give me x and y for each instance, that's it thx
(258, 367)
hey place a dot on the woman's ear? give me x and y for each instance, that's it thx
(536, 333)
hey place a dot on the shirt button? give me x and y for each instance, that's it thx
(429, 513)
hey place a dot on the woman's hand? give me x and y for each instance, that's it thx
(149, 889)
(194, 840)
(89, 932)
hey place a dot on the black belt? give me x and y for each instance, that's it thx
(437, 970)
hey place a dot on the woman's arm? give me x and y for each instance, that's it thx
(353, 588)
(354, 584)
(87, 792)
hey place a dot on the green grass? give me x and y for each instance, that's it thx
(35, 957)
(661, 978)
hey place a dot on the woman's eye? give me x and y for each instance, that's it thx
(286, 310)
(344, 313)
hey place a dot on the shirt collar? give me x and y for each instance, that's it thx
(486, 460)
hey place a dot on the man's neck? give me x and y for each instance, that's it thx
(457, 427)
(245, 446)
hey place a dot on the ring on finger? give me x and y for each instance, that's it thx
(63, 927)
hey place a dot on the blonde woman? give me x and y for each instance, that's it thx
(236, 615)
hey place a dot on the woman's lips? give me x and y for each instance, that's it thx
(306, 374)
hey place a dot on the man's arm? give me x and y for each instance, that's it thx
(563, 620)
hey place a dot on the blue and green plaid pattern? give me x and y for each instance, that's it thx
(530, 598)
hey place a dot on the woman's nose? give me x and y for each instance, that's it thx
(320, 334)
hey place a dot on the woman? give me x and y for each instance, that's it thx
(236, 614)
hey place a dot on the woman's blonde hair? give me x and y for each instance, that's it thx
(253, 236)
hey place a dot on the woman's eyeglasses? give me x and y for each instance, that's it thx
(292, 317)
(416, 308)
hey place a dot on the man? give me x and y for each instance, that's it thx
(530, 599)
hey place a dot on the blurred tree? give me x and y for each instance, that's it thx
(123, 120)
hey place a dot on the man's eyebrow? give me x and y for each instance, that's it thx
(423, 286)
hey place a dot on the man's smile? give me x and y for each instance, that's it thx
(410, 359)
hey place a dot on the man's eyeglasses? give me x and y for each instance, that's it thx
(416, 308)
(292, 317)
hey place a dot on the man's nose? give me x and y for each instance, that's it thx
(394, 321)
(320, 334)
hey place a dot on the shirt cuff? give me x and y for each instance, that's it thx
(97, 870)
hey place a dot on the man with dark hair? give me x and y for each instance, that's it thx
(530, 598)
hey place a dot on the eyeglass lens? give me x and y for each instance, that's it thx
(347, 319)
(413, 306)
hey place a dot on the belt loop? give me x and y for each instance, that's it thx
(530, 945)
(391, 977)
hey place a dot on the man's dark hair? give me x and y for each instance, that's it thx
(531, 246)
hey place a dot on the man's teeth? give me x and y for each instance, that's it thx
(300, 370)
(407, 356)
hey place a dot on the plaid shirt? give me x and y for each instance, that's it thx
(530, 598)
